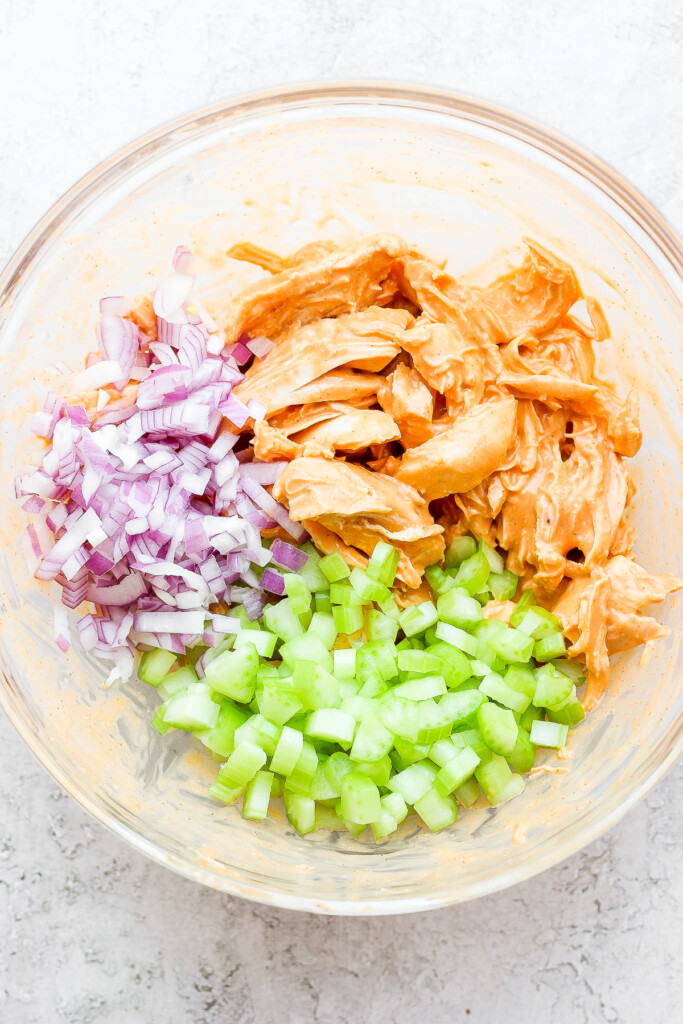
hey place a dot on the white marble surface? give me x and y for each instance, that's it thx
(92, 933)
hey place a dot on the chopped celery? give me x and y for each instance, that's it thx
(458, 608)
(234, 674)
(331, 724)
(458, 550)
(344, 663)
(367, 588)
(413, 782)
(300, 811)
(418, 617)
(503, 585)
(282, 620)
(523, 754)
(298, 592)
(458, 770)
(334, 568)
(384, 563)
(436, 811)
(462, 706)
(552, 687)
(422, 689)
(379, 771)
(360, 799)
(154, 665)
(348, 620)
(495, 687)
(457, 638)
(498, 728)
(221, 737)
(550, 647)
(257, 796)
(288, 751)
(438, 580)
(191, 710)
(277, 703)
(467, 794)
(242, 765)
(473, 573)
(310, 571)
(307, 648)
(379, 626)
(372, 740)
(263, 641)
(548, 734)
(322, 626)
(176, 682)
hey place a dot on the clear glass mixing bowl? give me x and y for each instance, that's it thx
(462, 180)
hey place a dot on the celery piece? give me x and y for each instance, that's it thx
(310, 570)
(498, 728)
(467, 794)
(372, 740)
(234, 674)
(459, 550)
(570, 713)
(277, 703)
(422, 689)
(298, 592)
(379, 771)
(282, 620)
(413, 782)
(242, 765)
(523, 754)
(221, 738)
(176, 682)
(418, 617)
(493, 776)
(334, 568)
(257, 796)
(522, 679)
(300, 811)
(418, 661)
(531, 714)
(438, 580)
(384, 563)
(512, 645)
(410, 753)
(307, 648)
(379, 626)
(259, 731)
(458, 770)
(436, 811)
(360, 799)
(263, 641)
(322, 626)
(457, 638)
(367, 588)
(301, 778)
(473, 573)
(503, 585)
(288, 751)
(552, 687)
(191, 710)
(335, 768)
(548, 734)
(348, 620)
(331, 724)
(462, 706)
(344, 663)
(495, 687)
(550, 647)
(154, 665)
(314, 686)
(495, 560)
(395, 805)
(458, 608)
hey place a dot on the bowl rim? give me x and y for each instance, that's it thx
(363, 91)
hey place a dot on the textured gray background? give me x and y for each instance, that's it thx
(91, 932)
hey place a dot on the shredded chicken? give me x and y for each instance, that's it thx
(407, 399)
(462, 456)
(362, 508)
(367, 340)
(340, 281)
(392, 385)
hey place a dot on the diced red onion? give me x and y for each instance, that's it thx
(61, 629)
(273, 582)
(260, 346)
(287, 556)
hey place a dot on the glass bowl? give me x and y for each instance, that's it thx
(463, 180)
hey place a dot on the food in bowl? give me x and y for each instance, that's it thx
(350, 529)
